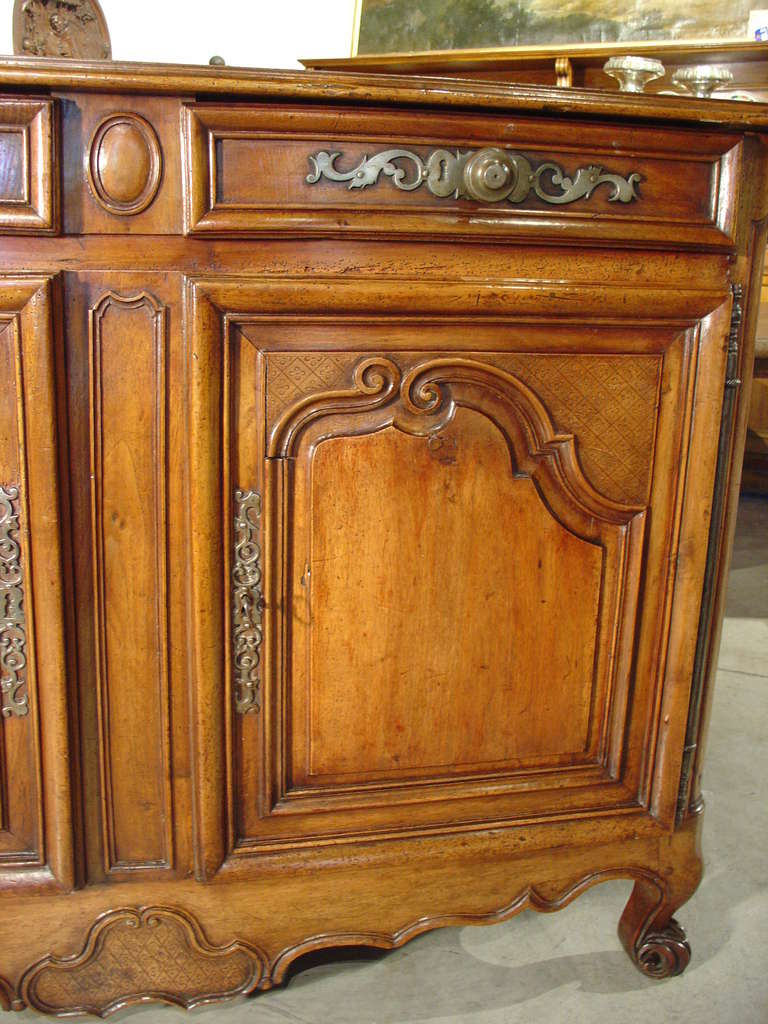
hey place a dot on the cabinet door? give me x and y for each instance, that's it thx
(439, 547)
(35, 808)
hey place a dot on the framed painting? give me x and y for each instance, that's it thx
(402, 26)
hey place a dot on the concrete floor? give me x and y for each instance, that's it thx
(568, 968)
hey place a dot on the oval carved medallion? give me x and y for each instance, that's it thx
(124, 164)
(61, 28)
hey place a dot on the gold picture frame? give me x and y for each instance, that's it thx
(639, 45)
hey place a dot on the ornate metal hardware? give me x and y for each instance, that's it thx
(13, 635)
(487, 175)
(731, 380)
(247, 602)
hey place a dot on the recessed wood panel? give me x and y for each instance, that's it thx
(453, 619)
(128, 352)
(28, 191)
(13, 178)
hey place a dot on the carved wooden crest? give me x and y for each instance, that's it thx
(61, 28)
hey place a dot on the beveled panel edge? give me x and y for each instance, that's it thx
(40, 214)
(157, 314)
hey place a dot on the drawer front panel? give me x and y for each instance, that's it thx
(255, 170)
(27, 182)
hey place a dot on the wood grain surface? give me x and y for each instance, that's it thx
(447, 487)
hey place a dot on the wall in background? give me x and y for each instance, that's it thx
(248, 33)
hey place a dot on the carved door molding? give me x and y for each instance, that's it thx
(36, 839)
(250, 799)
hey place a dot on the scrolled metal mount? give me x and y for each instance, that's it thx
(14, 701)
(486, 175)
(247, 602)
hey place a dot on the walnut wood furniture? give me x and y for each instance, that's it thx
(369, 453)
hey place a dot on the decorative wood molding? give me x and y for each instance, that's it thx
(425, 399)
(151, 954)
(125, 164)
(375, 382)
(591, 396)
(421, 398)
(162, 954)
(247, 599)
(119, 532)
(14, 700)
(28, 185)
(658, 954)
(486, 175)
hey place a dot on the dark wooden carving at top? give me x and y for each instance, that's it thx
(61, 28)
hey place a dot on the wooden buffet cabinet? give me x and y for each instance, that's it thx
(369, 453)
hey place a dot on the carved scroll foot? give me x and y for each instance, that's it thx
(654, 940)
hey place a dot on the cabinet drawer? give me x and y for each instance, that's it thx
(256, 170)
(27, 186)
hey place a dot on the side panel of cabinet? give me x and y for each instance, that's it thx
(125, 481)
(442, 606)
(36, 833)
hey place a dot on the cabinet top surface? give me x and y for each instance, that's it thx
(42, 74)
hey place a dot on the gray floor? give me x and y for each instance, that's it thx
(567, 967)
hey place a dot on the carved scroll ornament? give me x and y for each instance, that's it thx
(487, 175)
(247, 631)
(13, 638)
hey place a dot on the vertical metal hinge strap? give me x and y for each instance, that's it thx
(734, 337)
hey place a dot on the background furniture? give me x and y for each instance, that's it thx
(368, 460)
(578, 65)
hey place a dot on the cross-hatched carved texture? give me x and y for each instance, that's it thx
(607, 401)
(292, 375)
(132, 954)
(609, 404)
